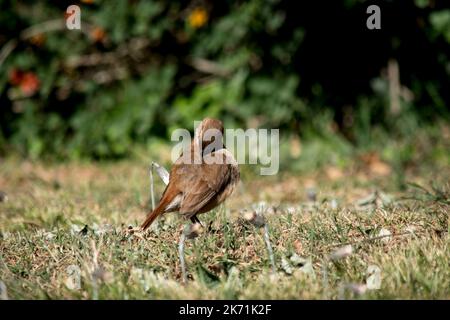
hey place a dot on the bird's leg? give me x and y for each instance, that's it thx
(195, 220)
(190, 231)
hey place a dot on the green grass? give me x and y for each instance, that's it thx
(46, 203)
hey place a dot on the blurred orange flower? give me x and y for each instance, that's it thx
(198, 17)
(38, 40)
(98, 34)
(28, 82)
(87, 1)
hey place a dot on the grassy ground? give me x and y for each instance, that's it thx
(44, 244)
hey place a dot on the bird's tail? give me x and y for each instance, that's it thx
(153, 215)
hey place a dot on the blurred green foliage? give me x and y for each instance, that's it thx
(138, 69)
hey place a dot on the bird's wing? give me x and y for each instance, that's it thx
(202, 185)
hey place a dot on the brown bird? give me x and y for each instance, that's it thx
(202, 183)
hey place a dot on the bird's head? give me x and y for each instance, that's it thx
(209, 131)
